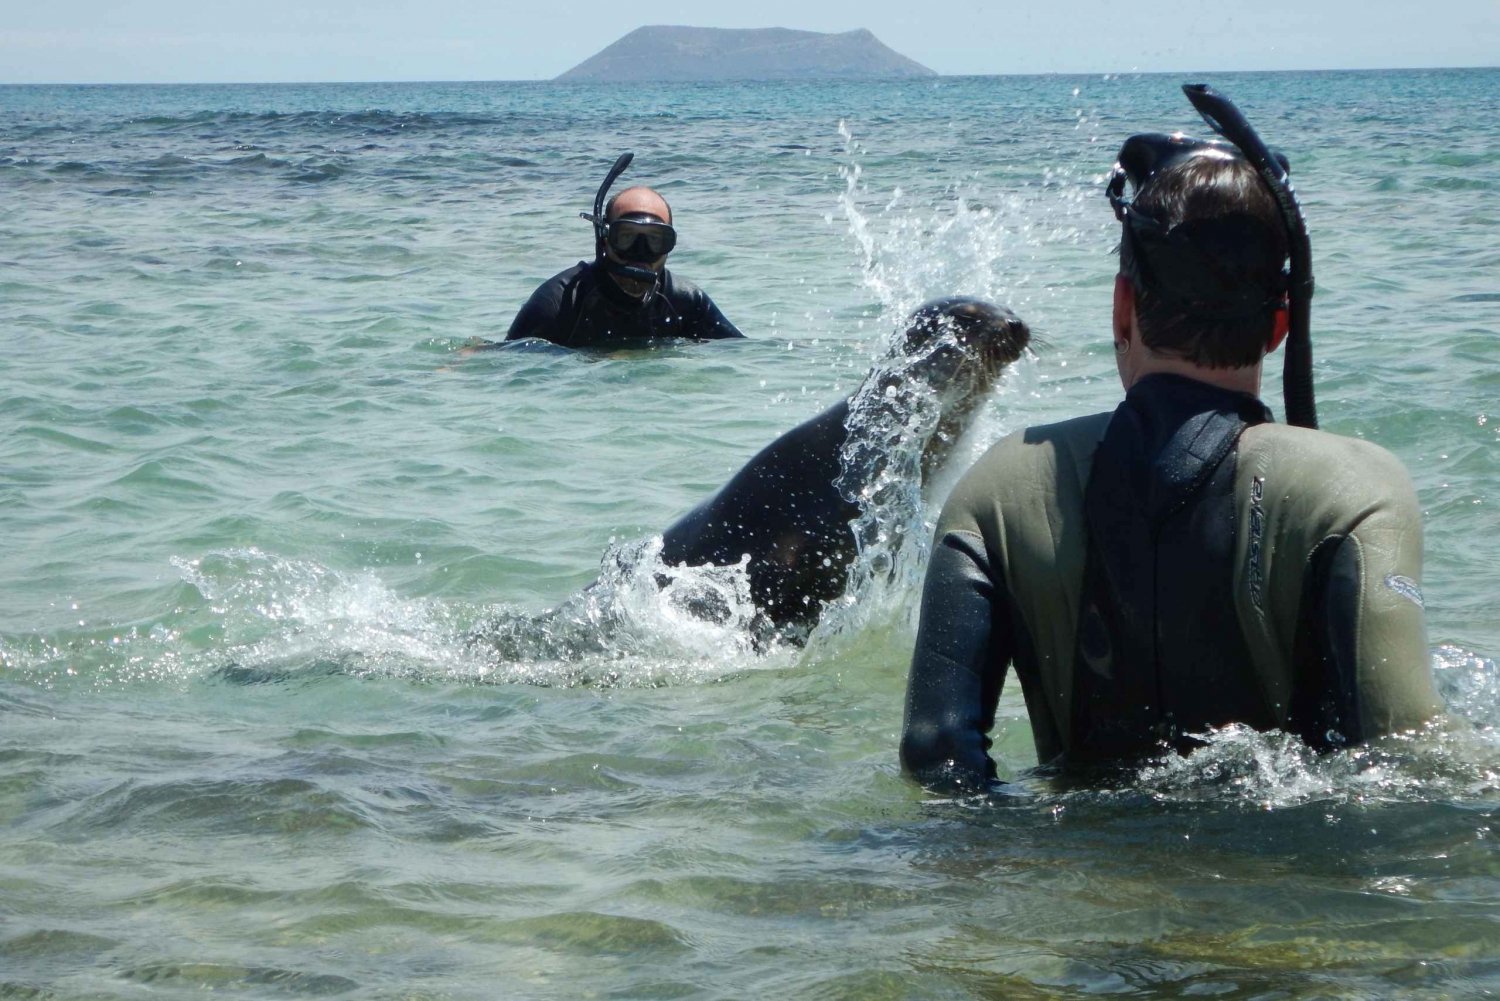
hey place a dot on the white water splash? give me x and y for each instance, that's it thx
(1274, 770)
(892, 418)
(910, 253)
(281, 615)
(1456, 757)
(1470, 685)
(642, 622)
(974, 239)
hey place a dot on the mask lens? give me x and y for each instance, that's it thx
(641, 241)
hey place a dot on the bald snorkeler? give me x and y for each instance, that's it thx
(626, 293)
(1182, 563)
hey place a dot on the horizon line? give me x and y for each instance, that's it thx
(816, 79)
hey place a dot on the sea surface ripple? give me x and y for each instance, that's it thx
(254, 500)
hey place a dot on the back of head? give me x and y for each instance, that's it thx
(1209, 281)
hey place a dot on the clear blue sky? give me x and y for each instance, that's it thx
(116, 41)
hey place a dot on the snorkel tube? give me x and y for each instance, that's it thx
(1296, 375)
(597, 218)
(601, 226)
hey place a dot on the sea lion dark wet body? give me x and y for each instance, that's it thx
(791, 514)
(785, 509)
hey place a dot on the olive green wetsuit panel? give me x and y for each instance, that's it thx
(1327, 570)
(1315, 492)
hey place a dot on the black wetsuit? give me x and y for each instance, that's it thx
(1178, 565)
(584, 307)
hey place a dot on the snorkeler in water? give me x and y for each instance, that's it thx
(1184, 562)
(626, 293)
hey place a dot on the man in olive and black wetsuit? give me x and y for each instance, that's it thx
(626, 293)
(1182, 563)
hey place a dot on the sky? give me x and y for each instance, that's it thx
(193, 41)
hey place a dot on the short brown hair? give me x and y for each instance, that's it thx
(1198, 189)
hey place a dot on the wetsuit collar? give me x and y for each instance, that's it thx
(1178, 435)
(1189, 393)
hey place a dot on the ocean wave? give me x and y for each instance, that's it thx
(257, 161)
(207, 976)
(211, 805)
(75, 167)
(368, 122)
(313, 164)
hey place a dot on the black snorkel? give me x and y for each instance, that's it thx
(1296, 377)
(601, 227)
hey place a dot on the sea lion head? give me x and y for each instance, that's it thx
(962, 344)
(928, 386)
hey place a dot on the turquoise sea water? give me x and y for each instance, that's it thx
(253, 500)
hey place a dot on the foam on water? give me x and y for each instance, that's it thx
(642, 622)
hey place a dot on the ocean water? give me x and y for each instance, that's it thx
(255, 499)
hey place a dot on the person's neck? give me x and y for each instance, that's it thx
(1239, 380)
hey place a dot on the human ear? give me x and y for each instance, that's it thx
(1280, 325)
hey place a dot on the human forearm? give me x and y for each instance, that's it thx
(950, 705)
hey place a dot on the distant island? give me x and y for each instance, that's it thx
(670, 53)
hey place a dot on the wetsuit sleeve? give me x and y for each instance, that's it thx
(1363, 635)
(963, 647)
(539, 317)
(713, 324)
(701, 318)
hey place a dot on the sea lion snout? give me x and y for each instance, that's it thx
(988, 337)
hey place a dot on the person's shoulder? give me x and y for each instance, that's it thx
(542, 309)
(1321, 455)
(704, 318)
(1049, 443)
(679, 288)
(674, 286)
(550, 292)
(1034, 460)
(1075, 431)
(566, 275)
(1323, 482)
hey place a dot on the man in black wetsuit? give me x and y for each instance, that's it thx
(1184, 562)
(626, 293)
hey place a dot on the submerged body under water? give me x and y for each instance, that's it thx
(256, 505)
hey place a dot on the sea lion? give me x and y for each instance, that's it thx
(789, 515)
(797, 514)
